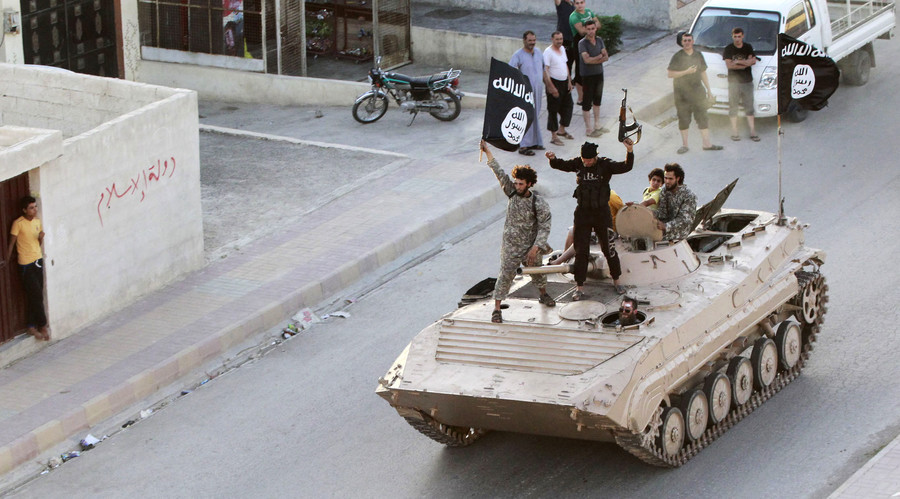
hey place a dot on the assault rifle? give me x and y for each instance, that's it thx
(627, 131)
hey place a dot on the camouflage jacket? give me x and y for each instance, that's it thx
(677, 211)
(527, 218)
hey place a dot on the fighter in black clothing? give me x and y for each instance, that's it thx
(592, 211)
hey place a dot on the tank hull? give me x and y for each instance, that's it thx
(563, 372)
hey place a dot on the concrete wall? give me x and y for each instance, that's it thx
(242, 86)
(462, 50)
(121, 205)
(659, 14)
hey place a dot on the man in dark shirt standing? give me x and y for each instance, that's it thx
(564, 9)
(687, 68)
(592, 210)
(740, 58)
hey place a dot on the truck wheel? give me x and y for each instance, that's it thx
(796, 113)
(858, 68)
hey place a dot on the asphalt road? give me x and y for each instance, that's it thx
(304, 421)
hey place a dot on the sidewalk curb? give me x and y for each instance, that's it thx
(894, 447)
(148, 382)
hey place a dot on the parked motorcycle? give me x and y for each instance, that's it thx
(438, 94)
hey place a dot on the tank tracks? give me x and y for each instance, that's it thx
(643, 445)
(451, 436)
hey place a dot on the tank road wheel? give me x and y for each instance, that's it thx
(451, 101)
(740, 372)
(671, 431)
(695, 407)
(718, 392)
(788, 342)
(765, 362)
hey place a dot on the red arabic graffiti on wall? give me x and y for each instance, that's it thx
(140, 183)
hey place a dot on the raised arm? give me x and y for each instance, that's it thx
(506, 183)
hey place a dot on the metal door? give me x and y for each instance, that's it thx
(79, 35)
(12, 297)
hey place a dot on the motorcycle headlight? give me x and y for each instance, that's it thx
(769, 78)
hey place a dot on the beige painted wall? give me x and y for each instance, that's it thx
(121, 205)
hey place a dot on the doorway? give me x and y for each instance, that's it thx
(12, 297)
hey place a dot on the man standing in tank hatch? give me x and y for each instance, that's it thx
(592, 208)
(677, 205)
(525, 231)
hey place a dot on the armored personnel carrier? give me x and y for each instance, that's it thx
(727, 318)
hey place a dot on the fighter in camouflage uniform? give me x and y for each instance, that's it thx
(525, 232)
(677, 205)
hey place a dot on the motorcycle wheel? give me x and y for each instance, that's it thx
(453, 105)
(370, 109)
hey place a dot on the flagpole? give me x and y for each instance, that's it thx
(781, 219)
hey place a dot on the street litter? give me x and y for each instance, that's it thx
(340, 313)
(89, 442)
(305, 318)
(146, 413)
(69, 455)
(128, 423)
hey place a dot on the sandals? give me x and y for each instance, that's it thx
(547, 300)
(713, 148)
(737, 138)
(566, 135)
(526, 152)
(683, 149)
(537, 148)
(754, 138)
(595, 133)
(578, 296)
(496, 317)
(557, 142)
(620, 289)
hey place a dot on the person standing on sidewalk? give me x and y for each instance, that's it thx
(740, 58)
(576, 23)
(531, 63)
(27, 237)
(564, 9)
(525, 231)
(593, 54)
(558, 82)
(592, 208)
(687, 68)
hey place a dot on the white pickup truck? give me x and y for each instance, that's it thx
(845, 29)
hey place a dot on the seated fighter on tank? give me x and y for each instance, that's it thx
(677, 205)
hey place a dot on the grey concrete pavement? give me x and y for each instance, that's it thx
(414, 185)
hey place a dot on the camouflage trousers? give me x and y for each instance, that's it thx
(510, 259)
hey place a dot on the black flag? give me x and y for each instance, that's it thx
(805, 74)
(509, 107)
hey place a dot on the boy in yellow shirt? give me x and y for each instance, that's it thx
(27, 237)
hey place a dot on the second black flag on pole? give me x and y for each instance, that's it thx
(805, 74)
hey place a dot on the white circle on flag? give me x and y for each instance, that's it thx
(514, 125)
(803, 81)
